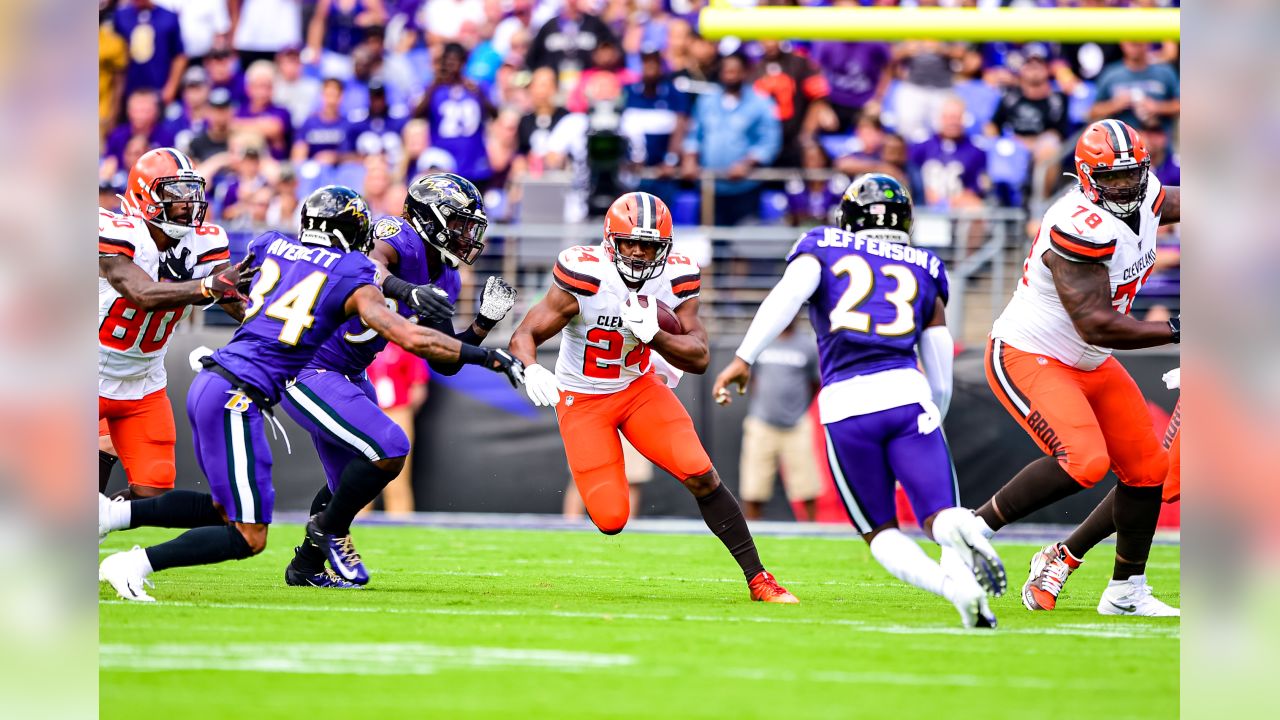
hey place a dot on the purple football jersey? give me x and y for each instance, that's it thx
(874, 299)
(298, 301)
(456, 116)
(350, 350)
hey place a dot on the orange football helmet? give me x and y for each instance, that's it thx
(165, 190)
(644, 219)
(1112, 162)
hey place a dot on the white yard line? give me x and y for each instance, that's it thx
(1092, 630)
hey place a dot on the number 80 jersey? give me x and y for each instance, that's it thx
(598, 355)
(875, 296)
(132, 343)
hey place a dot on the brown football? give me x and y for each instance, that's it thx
(667, 320)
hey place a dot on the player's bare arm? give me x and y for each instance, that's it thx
(542, 323)
(689, 352)
(1085, 291)
(371, 306)
(146, 294)
(1171, 211)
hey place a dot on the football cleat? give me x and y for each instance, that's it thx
(340, 551)
(1050, 569)
(326, 578)
(127, 572)
(959, 530)
(765, 588)
(964, 592)
(104, 517)
(1133, 597)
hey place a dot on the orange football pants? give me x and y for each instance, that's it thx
(144, 437)
(1173, 443)
(1090, 420)
(653, 421)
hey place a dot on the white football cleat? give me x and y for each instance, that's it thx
(963, 590)
(962, 531)
(104, 517)
(127, 572)
(1133, 597)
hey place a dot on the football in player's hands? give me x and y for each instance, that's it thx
(668, 322)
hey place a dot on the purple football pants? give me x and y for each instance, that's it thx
(869, 452)
(231, 448)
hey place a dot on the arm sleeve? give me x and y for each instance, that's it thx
(937, 353)
(777, 311)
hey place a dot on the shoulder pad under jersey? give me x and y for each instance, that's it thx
(578, 269)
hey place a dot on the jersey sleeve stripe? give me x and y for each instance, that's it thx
(686, 286)
(1076, 247)
(108, 246)
(1158, 204)
(574, 282)
(215, 255)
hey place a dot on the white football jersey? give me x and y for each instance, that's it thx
(1035, 320)
(598, 355)
(132, 343)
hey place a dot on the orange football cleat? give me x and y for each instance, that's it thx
(1050, 569)
(765, 588)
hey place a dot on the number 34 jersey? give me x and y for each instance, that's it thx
(874, 298)
(598, 355)
(1035, 320)
(132, 343)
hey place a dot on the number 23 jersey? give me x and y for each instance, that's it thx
(598, 355)
(132, 343)
(1035, 320)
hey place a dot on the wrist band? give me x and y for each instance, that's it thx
(472, 355)
(485, 323)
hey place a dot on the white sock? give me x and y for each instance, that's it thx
(1131, 580)
(907, 561)
(119, 515)
(144, 562)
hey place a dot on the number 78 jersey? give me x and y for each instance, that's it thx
(874, 298)
(1035, 320)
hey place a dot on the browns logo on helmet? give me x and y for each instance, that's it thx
(644, 221)
(1112, 162)
(166, 191)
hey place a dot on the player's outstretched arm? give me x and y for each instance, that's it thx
(1171, 211)
(777, 311)
(543, 322)
(937, 357)
(1085, 291)
(690, 352)
(133, 283)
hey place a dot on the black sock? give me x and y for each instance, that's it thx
(308, 558)
(175, 509)
(359, 484)
(1100, 524)
(1038, 485)
(1136, 511)
(201, 546)
(106, 461)
(721, 512)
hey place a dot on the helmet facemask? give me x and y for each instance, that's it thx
(1120, 190)
(460, 237)
(179, 203)
(639, 269)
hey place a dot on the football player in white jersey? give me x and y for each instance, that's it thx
(605, 300)
(155, 260)
(1049, 363)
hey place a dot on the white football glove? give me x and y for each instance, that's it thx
(496, 301)
(1173, 379)
(541, 386)
(197, 355)
(641, 321)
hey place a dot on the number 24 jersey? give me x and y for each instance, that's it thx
(598, 355)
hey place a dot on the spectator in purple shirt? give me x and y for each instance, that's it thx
(223, 73)
(259, 114)
(142, 111)
(857, 72)
(156, 56)
(323, 136)
(952, 169)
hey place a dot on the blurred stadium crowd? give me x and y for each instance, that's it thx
(273, 98)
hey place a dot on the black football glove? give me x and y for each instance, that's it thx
(225, 285)
(430, 303)
(1175, 324)
(501, 361)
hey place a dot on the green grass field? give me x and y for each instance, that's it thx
(534, 624)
